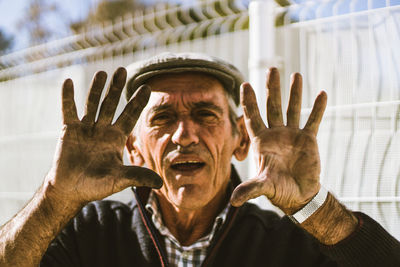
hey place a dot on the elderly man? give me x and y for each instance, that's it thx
(196, 213)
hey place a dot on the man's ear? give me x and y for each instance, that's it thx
(134, 154)
(243, 146)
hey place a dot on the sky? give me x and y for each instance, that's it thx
(12, 11)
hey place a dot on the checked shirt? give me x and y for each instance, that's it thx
(178, 255)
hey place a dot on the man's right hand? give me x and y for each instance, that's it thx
(88, 161)
(87, 166)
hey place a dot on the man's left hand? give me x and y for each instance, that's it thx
(288, 163)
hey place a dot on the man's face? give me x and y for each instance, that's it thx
(185, 135)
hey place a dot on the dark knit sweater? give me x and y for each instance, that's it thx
(110, 233)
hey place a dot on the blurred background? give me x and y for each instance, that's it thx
(349, 48)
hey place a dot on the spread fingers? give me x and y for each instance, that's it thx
(317, 112)
(294, 107)
(69, 112)
(274, 107)
(112, 97)
(252, 117)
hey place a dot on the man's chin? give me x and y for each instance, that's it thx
(190, 197)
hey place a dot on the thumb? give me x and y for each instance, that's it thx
(139, 176)
(250, 189)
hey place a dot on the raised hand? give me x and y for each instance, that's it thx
(288, 164)
(88, 161)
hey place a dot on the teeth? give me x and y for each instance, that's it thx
(185, 162)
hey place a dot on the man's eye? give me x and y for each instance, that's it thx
(161, 119)
(207, 115)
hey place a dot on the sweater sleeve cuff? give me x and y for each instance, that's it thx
(368, 245)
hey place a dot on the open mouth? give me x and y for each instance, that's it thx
(187, 166)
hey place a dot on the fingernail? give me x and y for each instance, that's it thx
(143, 91)
(235, 203)
(68, 82)
(102, 75)
(120, 76)
(159, 183)
(245, 87)
(272, 70)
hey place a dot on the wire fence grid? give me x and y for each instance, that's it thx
(30, 91)
(347, 48)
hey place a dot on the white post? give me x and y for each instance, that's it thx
(262, 55)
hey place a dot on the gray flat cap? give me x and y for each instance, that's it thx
(227, 74)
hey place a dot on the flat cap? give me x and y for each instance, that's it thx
(227, 74)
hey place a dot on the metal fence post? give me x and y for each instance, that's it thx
(262, 55)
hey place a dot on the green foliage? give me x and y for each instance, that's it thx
(106, 11)
(6, 42)
(33, 22)
(283, 2)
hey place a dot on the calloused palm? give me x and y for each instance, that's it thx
(88, 161)
(288, 163)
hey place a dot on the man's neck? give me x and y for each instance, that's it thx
(189, 225)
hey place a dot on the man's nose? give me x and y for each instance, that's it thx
(185, 134)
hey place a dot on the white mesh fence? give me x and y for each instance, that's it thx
(30, 111)
(352, 56)
(350, 50)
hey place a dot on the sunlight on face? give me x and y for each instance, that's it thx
(186, 137)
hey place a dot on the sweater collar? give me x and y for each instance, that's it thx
(142, 195)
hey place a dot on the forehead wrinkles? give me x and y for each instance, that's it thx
(186, 101)
(184, 80)
(181, 90)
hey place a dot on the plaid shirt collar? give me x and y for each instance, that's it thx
(177, 254)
